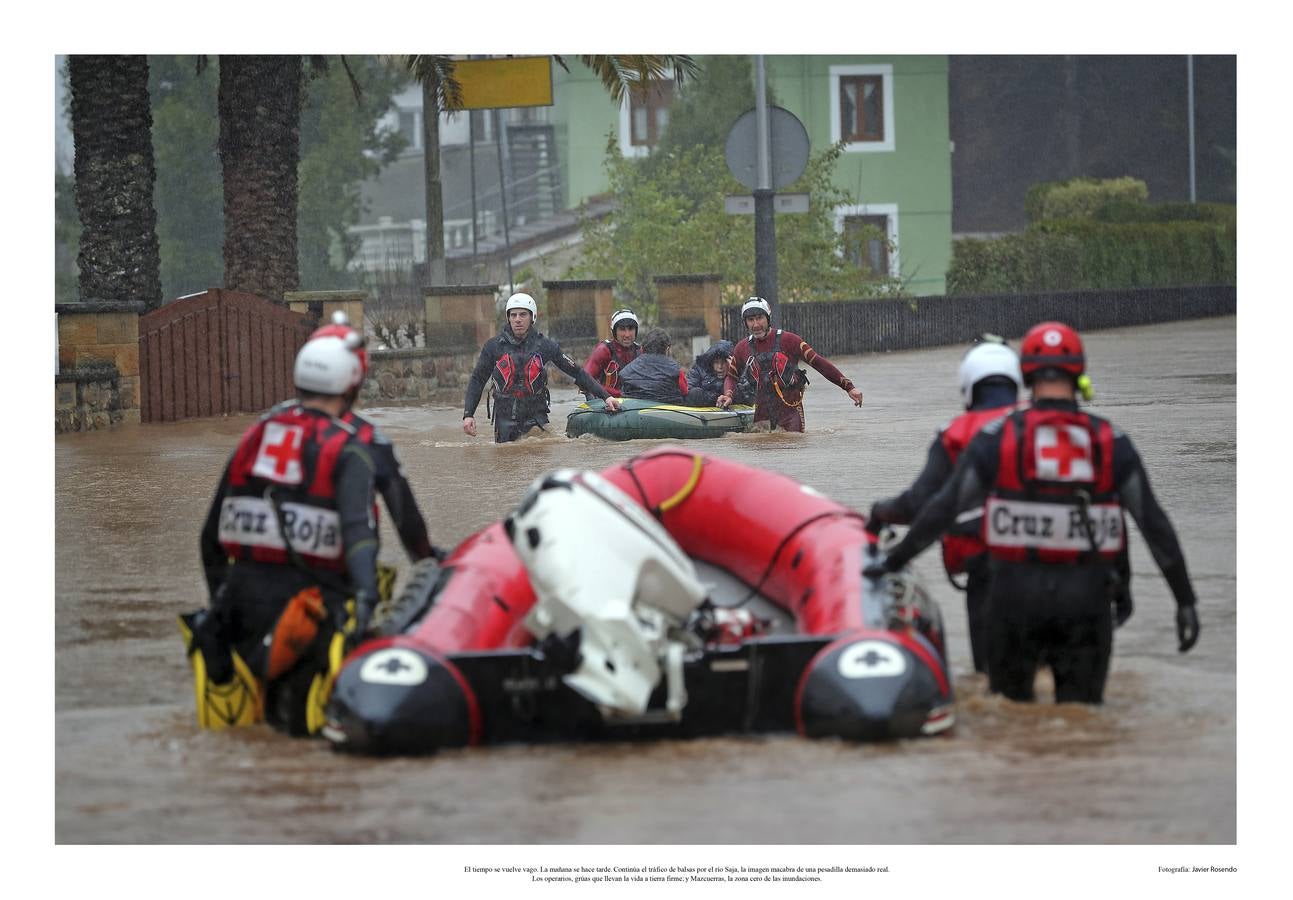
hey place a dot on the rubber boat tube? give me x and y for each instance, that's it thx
(456, 667)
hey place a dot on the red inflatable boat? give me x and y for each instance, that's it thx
(861, 659)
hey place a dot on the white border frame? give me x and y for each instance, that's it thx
(885, 71)
(890, 212)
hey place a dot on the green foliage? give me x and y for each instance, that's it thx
(1072, 254)
(188, 194)
(67, 237)
(340, 148)
(1082, 198)
(705, 109)
(670, 220)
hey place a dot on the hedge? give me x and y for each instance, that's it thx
(1058, 255)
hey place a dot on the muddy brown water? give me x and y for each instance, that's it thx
(1156, 764)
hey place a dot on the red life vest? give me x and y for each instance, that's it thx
(620, 356)
(964, 539)
(774, 371)
(520, 377)
(1054, 500)
(292, 452)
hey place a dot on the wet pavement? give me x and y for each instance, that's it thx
(1156, 764)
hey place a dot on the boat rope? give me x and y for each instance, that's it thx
(697, 464)
(772, 562)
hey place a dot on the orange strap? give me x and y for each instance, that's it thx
(295, 631)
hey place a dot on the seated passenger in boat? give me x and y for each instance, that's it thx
(706, 375)
(657, 376)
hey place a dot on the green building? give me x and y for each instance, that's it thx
(891, 110)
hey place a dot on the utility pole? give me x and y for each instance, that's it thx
(765, 234)
(1189, 89)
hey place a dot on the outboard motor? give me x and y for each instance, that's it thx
(614, 590)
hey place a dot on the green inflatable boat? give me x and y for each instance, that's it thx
(648, 419)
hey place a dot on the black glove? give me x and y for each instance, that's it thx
(1122, 605)
(1187, 627)
(875, 519)
(878, 568)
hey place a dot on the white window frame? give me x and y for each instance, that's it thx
(885, 71)
(629, 149)
(890, 212)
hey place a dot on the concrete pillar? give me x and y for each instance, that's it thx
(690, 302)
(322, 304)
(578, 308)
(460, 315)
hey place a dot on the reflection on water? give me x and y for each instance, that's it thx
(1155, 764)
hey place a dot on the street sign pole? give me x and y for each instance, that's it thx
(765, 234)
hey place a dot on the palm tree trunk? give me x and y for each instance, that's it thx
(260, 136)
(112, 124)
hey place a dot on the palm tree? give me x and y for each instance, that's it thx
(259, 105)
(442, 93)
(112, 122)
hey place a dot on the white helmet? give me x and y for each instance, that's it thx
(985, 360)
(623, 315)
(756, 305)
(522, 301)
(330, 364)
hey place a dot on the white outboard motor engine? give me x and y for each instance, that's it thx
(601, 566)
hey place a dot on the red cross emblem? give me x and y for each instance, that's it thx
(279, 458)
(1064, 453)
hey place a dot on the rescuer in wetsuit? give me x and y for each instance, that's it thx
(990, 381)
(516, 360)
(771, 360)
(609, 358)
(1053, 483)
(289, 546)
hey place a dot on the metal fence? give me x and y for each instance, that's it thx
(869, 326)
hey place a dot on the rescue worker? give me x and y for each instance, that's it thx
(990, 380)
(657, 376)
(609, 358)
(289, 547)
(516, 361)
(1053, 483)
(708, 373)
(389, 475)
(771, 360)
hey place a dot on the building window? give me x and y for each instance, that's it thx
(411, 129)
(644, 116)
(862, 107)
(870, 236)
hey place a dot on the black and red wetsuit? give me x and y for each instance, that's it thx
(607, 361)
(963, 547)
(303, 479)
(1053, 483)
(518, 369)
(772, 363)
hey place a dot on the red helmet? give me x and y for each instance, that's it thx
(1051, 345)
(353, 339)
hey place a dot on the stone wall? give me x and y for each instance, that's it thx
(97, 384)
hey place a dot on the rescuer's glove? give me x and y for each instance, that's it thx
(1187, 626)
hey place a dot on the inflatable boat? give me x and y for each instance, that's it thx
(648, 419)
(589, 613)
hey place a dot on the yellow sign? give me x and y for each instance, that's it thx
(504, 83)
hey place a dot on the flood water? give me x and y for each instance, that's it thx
(1156, 764)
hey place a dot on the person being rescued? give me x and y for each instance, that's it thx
(516, 362)
(610, 357)
(289, 547)
(771, 361)
(708, 373)
(657, 376)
